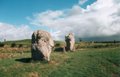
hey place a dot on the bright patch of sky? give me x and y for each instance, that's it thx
(85, 18)
(16, 11)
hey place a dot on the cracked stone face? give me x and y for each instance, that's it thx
(42, 44)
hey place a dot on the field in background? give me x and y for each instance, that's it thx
(91, 59)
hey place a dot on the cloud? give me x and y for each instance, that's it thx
(102, 18)
(82, 1)
(10, 32)
(45, 18)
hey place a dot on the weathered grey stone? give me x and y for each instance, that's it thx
(42, 44)
(70, 42)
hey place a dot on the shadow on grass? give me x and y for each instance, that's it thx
(30, 60)
(24, 60)
(58, 49)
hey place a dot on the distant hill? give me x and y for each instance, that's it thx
(25, 41)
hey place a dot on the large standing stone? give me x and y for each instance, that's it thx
(42, 44)
(70, 42)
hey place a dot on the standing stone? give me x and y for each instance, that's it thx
(70, 42)
(42, 44)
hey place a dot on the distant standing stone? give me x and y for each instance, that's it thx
(70, 42)
(42, 44)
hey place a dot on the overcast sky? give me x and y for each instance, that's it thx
(85, 18)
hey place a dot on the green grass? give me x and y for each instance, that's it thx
(104, 62)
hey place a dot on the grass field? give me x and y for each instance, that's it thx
(100, 62)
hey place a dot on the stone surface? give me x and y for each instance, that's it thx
(70, 42)
(42, 44)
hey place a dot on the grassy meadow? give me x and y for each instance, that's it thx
(89, 60)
